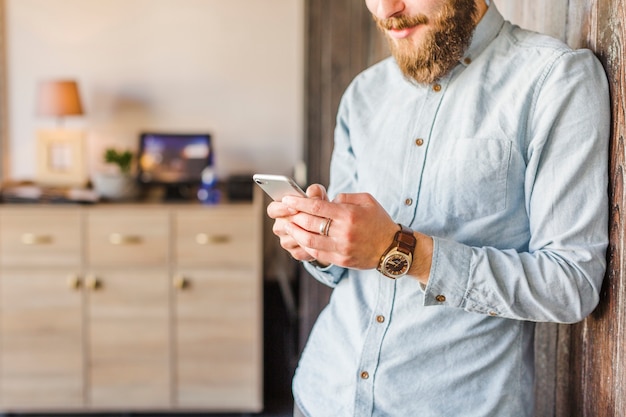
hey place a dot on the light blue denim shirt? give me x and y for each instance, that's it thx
(504, 163)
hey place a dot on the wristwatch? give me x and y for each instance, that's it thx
(397, 259)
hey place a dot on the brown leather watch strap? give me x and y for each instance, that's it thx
(406, 239)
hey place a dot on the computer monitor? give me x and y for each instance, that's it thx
(173, 160)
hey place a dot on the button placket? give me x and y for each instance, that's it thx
(426, 111)
(368, 363)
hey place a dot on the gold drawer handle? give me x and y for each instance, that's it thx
(181, 282)
(93, 283)
(121, 239)
(35, 239)
(204, 239)
(73, 281)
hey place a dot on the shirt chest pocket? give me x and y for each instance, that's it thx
(471, 178)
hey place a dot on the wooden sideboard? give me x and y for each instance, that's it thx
(131, 307)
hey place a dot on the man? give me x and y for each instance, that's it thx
(467, 201)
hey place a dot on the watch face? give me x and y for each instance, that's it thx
(396, 264)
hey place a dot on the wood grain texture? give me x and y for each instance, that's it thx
(127, 238)
(599, 381)
(341, 41)
(41, 355)
(33, 236)
(122, 345)
(128, 340)
(592, 381)
(549, 17)
(218, 344)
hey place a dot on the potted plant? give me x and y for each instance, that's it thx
(117, 182)
(122, 159)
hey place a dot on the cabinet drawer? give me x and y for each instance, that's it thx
(40, 237)
(127, 237)
(216, 237)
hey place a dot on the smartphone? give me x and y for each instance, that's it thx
(278, 186)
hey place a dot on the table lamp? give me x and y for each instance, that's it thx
(58, 98)
(60, 152)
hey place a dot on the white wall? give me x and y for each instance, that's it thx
(232, 68)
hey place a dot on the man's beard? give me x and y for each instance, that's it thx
(441, 48)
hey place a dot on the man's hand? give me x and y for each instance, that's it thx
(283, 216)
(360, 230)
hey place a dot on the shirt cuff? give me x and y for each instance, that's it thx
(449, 274)
(329, 275)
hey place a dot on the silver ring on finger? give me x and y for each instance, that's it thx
(325, 227)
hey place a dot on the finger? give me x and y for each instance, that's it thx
(328, 209)
(313, 206)
(317, 191)
(297, 252)
(281, 229)
(312, 224)
(288, 243)
(277, 210)
(312, 242)
(301, 255)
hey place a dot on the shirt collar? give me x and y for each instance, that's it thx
(486, 31)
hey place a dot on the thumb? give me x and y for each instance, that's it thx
(317, 191)
(358, 199)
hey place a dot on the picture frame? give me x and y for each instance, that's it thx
(61, 158)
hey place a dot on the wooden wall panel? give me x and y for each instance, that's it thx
(342, 41)
(548, 17)
(598, 365)
(590, 371)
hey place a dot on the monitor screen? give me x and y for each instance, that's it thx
(173, 159)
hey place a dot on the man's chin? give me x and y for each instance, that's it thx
(422, 70)
(406, 48)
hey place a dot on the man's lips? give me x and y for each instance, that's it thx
(402, 33)
(401, 27)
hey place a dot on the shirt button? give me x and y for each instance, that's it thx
(380, 319)
(408, 201)
(440, 298)
(419, 142)
(437, 88)
(467, 60)
(493, 313)
(364, 375)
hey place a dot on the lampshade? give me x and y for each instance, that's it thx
(58, 98)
